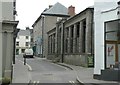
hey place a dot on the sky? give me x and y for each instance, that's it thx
(29, 10)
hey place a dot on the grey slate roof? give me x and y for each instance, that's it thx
(57, 9)
(24, 33)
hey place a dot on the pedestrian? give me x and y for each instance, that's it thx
(24, 57)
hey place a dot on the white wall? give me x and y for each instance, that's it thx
(100, 16)
(0, 43)
(22, 42)
(7, 9)
(0, 54)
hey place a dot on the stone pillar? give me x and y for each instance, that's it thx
(75, 38)
(50, 44)
(7, 47)
(8, 56)
(81, 38)
(56, 40)
(88, 35)
(62, 39)
(65, 37)
(69, 40)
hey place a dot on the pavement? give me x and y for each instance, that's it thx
(20, 73)
(84, 75)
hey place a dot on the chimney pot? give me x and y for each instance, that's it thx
(71, 10)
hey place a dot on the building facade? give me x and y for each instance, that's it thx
(7, 29)
(71, 41)
(23, 41)
(107, 47)
(46, 22)
(37, 37)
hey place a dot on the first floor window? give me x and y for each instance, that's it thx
(17, 43)
(27, 44)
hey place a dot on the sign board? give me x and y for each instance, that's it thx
(110, 54)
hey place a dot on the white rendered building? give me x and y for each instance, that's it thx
(107, 38)
(22, 41)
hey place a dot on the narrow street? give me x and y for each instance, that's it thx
(43, 71)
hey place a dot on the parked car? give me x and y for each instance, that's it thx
(28, 53)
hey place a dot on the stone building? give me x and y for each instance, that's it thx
(7, 36)
(71, 40)
(46, 21)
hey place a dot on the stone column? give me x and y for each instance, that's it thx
(52, 44)
(56, 39)
(50, 50)
(69, 40)
(75, 38)
(81, 37)
(88, 35)
(8, 53)
(65, 37)
(62, 34)
(48, 44)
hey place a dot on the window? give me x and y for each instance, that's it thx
(67, 32)
(78, 29)
(27, 44)
(22, 50)
(14, 4)
(27, 37)
(84, 36)
(17, 43)
(72, 30)
(17, 51)
(31, 39)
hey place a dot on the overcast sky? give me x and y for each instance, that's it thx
(29, 10)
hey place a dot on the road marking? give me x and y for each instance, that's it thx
(72, 82)
(34, 81)
(38, 82)
(29, 67)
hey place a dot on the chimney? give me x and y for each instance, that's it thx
(50, 6)
(27, 28)
(71, 10)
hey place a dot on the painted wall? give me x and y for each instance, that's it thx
(100, 16)
(7, 9)
(22, 42)
(1, 51)
(6, 54)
